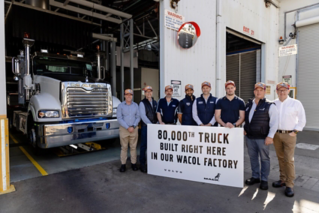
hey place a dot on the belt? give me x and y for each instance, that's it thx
(284, 131)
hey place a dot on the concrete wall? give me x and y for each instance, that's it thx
(199, 63)
(287, 64)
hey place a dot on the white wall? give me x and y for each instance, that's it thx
(287, 64)
(264, 22)
(3, 102)
(195, 65)
(198, 64)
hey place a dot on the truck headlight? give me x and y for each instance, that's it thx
(114, 112)
(48, 114)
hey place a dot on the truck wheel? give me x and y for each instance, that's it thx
(32, 136)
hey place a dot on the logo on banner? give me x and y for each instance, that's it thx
(214, 179)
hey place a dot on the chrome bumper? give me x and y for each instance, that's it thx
(55, 135)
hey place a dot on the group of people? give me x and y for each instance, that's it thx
(265, 122)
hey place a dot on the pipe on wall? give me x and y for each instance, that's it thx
(218, 47)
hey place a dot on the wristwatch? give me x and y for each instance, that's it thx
(234, 124)
(295, 131)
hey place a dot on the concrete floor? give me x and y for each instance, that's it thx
(92, 183)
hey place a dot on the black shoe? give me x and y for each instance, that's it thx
(134, 167)
(123, 168)
(278, 184)
(252, 181)
(263, 185)
(143, 169)
(289, 192)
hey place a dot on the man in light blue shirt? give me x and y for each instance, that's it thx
(128, 116)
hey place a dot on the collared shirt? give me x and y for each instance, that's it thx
(273, 116)
(230, 109)
(143, 112)
(291, 114)
(128, 115)
(168, 110)
(195, 114)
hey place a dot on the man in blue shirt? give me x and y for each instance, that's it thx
(230, 109)
(204, 107)
(185, 109)
(128, 116)
(167, 107)
(148, 108)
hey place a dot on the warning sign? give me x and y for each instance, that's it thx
(173, 20)
(288, 50)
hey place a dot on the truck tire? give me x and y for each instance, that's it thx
(32, 136)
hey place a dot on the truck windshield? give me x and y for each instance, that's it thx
(46, 65)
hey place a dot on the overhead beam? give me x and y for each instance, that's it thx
(54, 13)
(84, 12)
(101, 8)
(104, 37)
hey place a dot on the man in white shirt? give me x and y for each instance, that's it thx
(261, 123)
(292, 119)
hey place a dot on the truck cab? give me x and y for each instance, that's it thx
(63, 99)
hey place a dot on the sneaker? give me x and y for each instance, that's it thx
(278, 184)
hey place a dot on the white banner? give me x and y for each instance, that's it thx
(205, 154)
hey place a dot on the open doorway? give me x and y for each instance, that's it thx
(243, 63)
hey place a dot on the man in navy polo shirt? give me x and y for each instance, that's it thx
(185, 109)
(204, 107)
(167, 107)
(230, 109)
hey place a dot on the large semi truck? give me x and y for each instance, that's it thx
(62, 99)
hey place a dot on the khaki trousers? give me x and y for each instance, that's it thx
(127, 139)
(285, 150)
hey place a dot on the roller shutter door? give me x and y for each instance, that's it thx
(244, 70)
(308, 74)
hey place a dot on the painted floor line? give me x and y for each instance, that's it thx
(40, 169)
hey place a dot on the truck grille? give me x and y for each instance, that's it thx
(81, 102)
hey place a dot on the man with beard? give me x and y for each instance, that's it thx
(204, 107)
(184, 111)
(148, 116)
(261, 123)
(230, 109)
(167, 107)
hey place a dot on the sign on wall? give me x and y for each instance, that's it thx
(173, 20)
(287, 79)
(288, 50)
(212, 155)
(177, 88)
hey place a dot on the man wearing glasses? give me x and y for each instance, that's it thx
(148, 116)
(292, 119)
(261, 123)
(128, 116)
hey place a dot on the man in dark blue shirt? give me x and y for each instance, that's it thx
(230, 109)
(184, 111)
(167, 107)
(204, 107)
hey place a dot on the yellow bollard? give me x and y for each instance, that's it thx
(5, 186)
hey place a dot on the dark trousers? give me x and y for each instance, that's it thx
(143, 145)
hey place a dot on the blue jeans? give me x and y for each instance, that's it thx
(143, 145)
(256, 149)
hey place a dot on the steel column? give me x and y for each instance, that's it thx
(122, 64)
(131, 55)
(113, 68)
